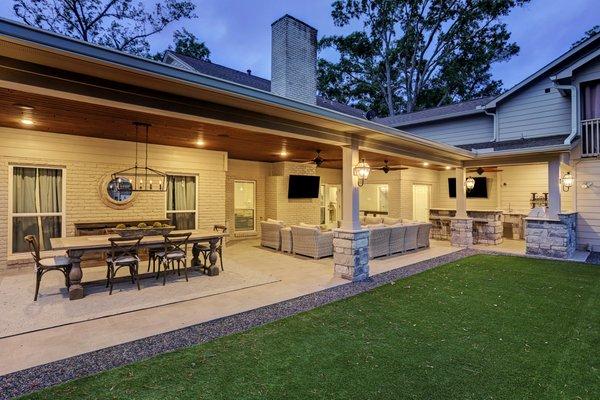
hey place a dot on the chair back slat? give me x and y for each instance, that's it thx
(221, 229)
(124, 247)
(176, 242)
(34, 247)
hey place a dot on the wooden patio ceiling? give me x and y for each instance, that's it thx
(77, 118)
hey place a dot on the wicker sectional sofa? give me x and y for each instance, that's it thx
(391, 236)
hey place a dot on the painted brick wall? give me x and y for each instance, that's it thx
(88, 160)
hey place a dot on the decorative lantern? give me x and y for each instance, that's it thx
(470, 183)
(362, 171)
(567, 181)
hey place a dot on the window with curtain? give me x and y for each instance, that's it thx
(244, 207)
(181, 201)
(37, 206)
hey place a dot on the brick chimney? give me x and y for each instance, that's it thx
(294, 59)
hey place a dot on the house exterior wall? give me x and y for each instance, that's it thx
(466, 130)
(589, 72)
(588, 202)
(534, 113)
(88, 160)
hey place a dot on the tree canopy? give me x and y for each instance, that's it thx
(121, 24)
(413, 54)
(188, 44)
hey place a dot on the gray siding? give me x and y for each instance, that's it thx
(465, 130)
(589, 72)
(534, 113)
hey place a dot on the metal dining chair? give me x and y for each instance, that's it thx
(123, 253)
(174, 250)
(205, 248)
(43, 265)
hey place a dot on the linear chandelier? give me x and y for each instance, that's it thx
(141, 178)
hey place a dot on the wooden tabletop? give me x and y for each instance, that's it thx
(93, 242)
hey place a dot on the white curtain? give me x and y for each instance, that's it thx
(181, 195)
(36, 191)
(591, 100)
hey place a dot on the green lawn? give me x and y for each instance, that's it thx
(485, 327)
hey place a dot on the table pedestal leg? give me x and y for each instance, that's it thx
(196, 264)
(75, 290)
(213, 270)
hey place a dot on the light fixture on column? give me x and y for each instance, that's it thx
(587, 185)
(567, 181)
(362, 171)
(470, 183)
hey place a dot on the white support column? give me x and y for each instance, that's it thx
(461, 193)
(350, 205)
(554, 188)
(461, 226)
(350, 242)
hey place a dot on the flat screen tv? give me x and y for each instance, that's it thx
(479, 191)
(303, 187)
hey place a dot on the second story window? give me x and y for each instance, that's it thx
(590, 94)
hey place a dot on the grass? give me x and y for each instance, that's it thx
(485, 327)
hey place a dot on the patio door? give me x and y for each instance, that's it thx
(421, 201)
(331, 204)
(244, 199)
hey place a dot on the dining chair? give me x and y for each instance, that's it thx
(43, 265)
(174, 250)
(205, 248)
(123, 253)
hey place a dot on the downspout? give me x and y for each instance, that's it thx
(495, 139)
(574, 97)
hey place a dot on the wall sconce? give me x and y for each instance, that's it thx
(470, 183)
(362, 171)
(567, 181)
(587, 185)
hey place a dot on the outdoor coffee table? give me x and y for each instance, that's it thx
(77, 246)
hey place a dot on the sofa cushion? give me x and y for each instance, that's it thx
(375, 226)
(274, 221)
(373, 220)
(391, 221)
(314, 226)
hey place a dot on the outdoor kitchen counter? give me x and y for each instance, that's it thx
(487, 224)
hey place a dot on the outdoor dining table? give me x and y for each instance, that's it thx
(77, 246)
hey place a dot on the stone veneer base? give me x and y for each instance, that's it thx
(351, 254)
(551, 237)
(461, 232)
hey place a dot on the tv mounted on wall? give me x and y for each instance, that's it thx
(303, 187)
(479, 191)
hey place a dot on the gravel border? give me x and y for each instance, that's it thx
(43, 376)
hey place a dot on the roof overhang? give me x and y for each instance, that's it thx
(567, 73)
(33, 55)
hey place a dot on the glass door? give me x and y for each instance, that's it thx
(245, 205)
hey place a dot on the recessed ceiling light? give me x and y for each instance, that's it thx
(448, 167)
(426, 164)
(27, 121)
(200, 142)
(283, 153)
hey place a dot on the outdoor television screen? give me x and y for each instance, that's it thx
(303, 187)
(479, 191)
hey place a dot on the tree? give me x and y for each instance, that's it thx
(120, 24)
(186, 43)
(588, 34)
(414, 54)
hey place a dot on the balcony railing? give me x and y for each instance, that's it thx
(590, 137)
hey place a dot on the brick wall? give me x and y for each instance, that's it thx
(88, 160)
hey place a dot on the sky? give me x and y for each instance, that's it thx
(238, 32)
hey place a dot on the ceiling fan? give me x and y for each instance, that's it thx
(481, 170)
(318, 160)
(386, 168)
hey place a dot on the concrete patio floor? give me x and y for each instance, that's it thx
(262, 277)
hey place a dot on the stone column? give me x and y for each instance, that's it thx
(461, 226)
(350, 243)
(551, 237)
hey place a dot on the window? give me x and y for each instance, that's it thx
(36, 206)
(322, 203)
(181, 201)
(244, 205)
(591, 100)
(374, 197)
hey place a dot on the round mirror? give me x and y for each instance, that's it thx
(119, 189)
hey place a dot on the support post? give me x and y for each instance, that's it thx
(350, 242)
(461, 226)
(554, 189)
